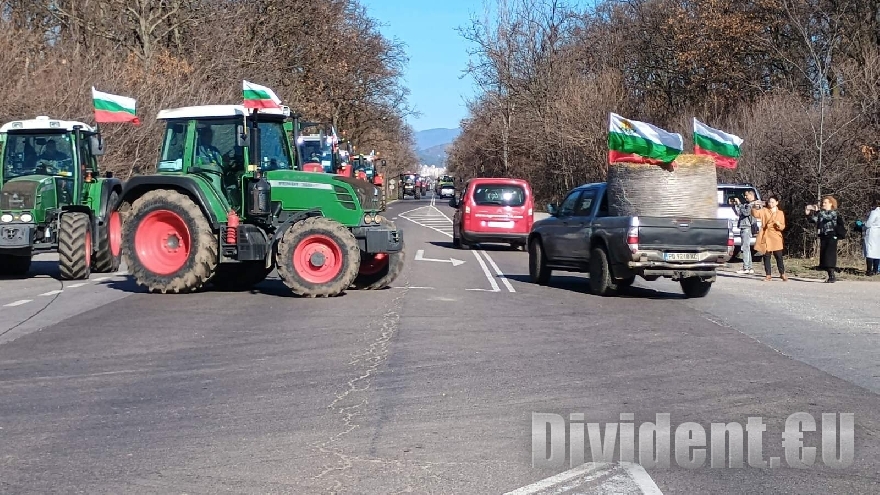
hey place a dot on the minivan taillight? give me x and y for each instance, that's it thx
(467, 209)
(632, 235)
(730, 243)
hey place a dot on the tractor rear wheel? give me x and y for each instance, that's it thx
(233, 277)
(14, 266)
(168, 243)
(379, 271)
(318, 257)
(108, 254)
(75, 246)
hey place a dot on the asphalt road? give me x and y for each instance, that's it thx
(428, 387)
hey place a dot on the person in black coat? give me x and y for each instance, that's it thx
(826, 219)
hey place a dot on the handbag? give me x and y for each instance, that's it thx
(839, 227)
(755, 228)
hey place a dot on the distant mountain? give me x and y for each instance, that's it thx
(432, 144)
(433, 137)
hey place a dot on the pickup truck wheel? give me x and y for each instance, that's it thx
(695, 286)
(601, 281)
(538, 271)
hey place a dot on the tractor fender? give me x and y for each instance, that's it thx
(292, 219)
(137, 186)
(107, 188)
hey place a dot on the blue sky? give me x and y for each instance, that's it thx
(437, 55)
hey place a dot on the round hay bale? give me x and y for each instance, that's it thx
(688, 189)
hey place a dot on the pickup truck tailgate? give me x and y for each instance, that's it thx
(682, 234)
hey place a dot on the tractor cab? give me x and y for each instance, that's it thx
(316, 153)
(223, 143)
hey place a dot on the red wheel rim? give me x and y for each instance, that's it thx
(374, 265)
(88, 248)
(162, 242)
(114, 231)
(317, 259)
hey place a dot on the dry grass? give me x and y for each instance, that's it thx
(847, 268)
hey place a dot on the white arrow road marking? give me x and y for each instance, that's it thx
(420, 256)
(18, 303)
(595, 477)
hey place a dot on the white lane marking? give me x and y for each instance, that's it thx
(101, 279)
(489, 276)
(498, 271)
(18, 303)
(623, 477)
(52, 292)
(426, 288)
(74, 286)
(420, 256)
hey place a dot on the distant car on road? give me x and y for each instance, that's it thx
(493, 210)
(582, 236)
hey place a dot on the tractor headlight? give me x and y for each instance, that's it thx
(26, 217)
(377, 219)
(368, 218)
(6, 217)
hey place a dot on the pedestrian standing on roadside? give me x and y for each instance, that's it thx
(745, 221)
(769, 239)
(872, 240)
(828, 222)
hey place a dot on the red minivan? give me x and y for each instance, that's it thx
(493, 210)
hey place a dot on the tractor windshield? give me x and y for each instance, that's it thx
(37, 154)
(316, 151)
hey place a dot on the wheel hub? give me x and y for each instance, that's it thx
(317, 259)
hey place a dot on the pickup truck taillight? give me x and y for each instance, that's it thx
(632, 235)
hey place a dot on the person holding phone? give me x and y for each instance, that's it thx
(744, 222)
(826, 217)
(769, 239)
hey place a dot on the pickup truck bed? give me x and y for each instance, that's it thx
(580, 236)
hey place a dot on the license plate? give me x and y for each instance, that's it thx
(503, 225)
(681, 256)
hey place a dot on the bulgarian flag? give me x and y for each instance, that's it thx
(720, 145)
(639, 142)
(114, 108)
(256, 96)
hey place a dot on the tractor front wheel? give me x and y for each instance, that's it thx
(318, 257)
(168, 243)
(108, 254)
(75, 246)
(14, 266)
(379, 271)
(233, 277)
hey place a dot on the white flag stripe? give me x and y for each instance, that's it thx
(715, 134)
(123, 101)
(247, 85)
(646, 131)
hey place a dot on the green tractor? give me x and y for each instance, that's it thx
(227, 205)
(52, 199)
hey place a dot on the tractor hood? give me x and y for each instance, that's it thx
(21, 193)
(367, 193)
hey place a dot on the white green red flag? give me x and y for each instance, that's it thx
(114, 108)
(720, 145)
(639, 142)
(256, 96)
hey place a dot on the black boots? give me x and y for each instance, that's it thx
(831, 277)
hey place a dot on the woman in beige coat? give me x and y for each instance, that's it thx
(769, 239)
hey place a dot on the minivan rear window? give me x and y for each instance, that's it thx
(726, 194)
(499, 195)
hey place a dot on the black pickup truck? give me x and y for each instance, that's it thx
(582, 236)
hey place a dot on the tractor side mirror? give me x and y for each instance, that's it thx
(96, 145)
(108, 174)
(241, 137)
(384, 164)
(453, 203)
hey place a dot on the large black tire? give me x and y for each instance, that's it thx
(417, 195)
(538, 271)
(75, 246)
(108, 252)
(388, 274)
(12, 266)
(200, 263)
(233, 277)
(695, 287)
(340, 239)
(601, 280)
